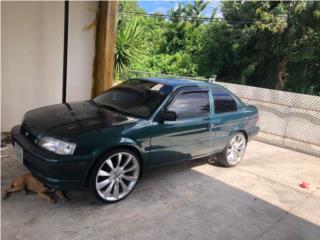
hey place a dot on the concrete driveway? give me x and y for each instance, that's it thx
(258, 199)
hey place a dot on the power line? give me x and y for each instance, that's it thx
(168, 16)
(183, 17)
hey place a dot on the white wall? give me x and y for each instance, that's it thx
(81, 50)
(32, 56)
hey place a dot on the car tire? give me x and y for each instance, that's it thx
(115, 175)
(234, 151)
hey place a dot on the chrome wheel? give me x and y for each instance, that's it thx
(236, 149)
(117, 176)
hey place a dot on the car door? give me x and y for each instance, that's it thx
(188, 136)
(224, 119)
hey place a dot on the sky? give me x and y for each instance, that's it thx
(164, 5)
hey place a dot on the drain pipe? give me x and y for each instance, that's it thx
(65, 51)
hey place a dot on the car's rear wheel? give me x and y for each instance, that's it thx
(233, 153)
(115, 175)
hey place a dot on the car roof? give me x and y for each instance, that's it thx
(174, 82)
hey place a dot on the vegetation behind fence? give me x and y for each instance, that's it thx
(271, 44)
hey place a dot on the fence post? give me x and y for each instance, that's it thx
(287, 123)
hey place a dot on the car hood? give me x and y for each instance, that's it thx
(71, 118)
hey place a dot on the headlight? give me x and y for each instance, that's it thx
(57, 146)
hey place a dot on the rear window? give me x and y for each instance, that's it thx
(223, 101)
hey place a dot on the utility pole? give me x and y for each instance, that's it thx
(105, 47)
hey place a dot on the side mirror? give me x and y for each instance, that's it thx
(167, 116)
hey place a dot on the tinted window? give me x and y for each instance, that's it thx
(190, 104)
(134, 97)
(223, 101)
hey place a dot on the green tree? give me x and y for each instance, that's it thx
(129, 36)
(177, 14)
(269, 44)
(273, 44)
(194, 11)
(127, 45)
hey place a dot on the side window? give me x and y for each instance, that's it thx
(223, 101)
(190, 104)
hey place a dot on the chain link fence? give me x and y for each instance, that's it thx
(285, 119)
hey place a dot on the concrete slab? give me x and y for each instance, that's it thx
(258, 199)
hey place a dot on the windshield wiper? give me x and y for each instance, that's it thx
(119, 111)
(110, 107)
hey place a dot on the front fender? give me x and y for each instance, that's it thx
(140, 147)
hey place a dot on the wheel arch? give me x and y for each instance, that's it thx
(222, 157)
(129, 147)
(244, 132)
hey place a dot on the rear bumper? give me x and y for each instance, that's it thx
(61, 172)
(253, 132)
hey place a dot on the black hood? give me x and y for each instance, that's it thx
(72, 118)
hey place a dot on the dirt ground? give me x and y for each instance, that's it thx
(258, 199)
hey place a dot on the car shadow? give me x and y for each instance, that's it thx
(170, 202)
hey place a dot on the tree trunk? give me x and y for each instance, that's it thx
(281, 76)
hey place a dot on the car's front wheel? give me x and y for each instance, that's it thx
(233, 153)
(115, 175)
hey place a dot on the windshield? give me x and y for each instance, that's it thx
(135, 97)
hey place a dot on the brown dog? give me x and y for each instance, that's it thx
(28, 183)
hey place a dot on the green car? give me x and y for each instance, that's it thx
(108, 142)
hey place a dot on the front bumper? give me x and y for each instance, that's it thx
(56, 171)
